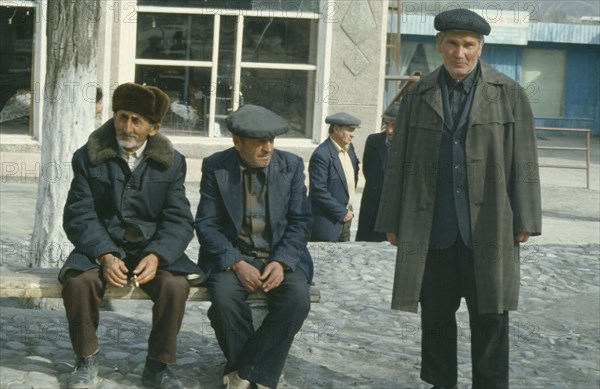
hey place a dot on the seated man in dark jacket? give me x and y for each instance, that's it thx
(129, 219)
(253, 222)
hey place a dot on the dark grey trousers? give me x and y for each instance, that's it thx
(258, 356)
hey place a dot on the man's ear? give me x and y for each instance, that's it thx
(237, 142)
(154, 129)
(438, 40)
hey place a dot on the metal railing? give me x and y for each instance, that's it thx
(586, 149)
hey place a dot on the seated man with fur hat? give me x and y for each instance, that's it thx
(130, 221)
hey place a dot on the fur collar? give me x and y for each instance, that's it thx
(102, 145)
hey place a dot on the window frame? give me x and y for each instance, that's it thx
(322, 40)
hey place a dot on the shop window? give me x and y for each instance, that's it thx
(16, 52)
(543, 77)
(276, 66)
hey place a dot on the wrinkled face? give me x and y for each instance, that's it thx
(133, 129)
(388, 125)
(254, 153)
(342, 135)
(460, 52)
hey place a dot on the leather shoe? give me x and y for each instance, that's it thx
(160, 379)
(85, 372)
(443, 387)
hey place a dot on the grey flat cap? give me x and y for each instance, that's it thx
(343, 119)
(461, 19)
(253, 121)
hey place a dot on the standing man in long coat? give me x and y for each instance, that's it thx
(374, 164)
(461, 193)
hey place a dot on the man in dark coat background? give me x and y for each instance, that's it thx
(461, 192)
(333, 175)
(374, 164)
(129, 219)
(253, 223)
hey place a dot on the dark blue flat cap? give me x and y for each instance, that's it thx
(461, 19)
(253, 121)
(343, 119)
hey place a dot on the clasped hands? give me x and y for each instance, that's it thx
(115, 272)
(252, 279)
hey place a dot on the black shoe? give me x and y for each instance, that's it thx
(85, 372)
(443, 387)
(160, 379)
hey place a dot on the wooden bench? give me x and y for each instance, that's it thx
(43, 283)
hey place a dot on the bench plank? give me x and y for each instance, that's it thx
(43, 283)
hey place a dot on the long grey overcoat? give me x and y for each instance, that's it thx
(503, 181)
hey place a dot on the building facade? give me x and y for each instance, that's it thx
(302, 59)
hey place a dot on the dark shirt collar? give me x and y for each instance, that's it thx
(468, 82)
(257, 170)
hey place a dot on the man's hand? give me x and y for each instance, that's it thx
(392, 238)
(113, 270)
(522, 237)
(145, 271)
(248, 275)
(272, 276)
(348, 216)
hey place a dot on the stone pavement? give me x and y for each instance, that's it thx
(351, 339)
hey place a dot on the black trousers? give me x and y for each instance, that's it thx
(449, 275)
(259, 355)
(83, 292)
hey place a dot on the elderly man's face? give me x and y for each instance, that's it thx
(255, 153)
(342, 135)
(133, 129)
(388, 124)
(460, 52)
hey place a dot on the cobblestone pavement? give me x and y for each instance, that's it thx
(350, 340)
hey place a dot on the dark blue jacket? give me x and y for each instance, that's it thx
(329, 190)
(221, 208)
(106, 200)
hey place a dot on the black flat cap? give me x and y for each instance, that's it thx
(343, 119)
(253, 121)
(392, 111)
(461, 19)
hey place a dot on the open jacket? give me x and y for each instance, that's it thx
(329, 190)
(221, 210)
(131, 214)
(503, 186)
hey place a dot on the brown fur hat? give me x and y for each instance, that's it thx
(148, 101)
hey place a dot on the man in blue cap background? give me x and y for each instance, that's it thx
(333, 174)
(461, 192)
(253, 223)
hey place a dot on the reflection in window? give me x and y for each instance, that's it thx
(16, 54)
(189, 90)
(543, 77)
(289, 6)
(174, 36)
(277, 40)
(288, 93)
(267, 40)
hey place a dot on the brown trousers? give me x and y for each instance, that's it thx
(83, 292)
